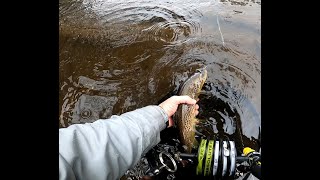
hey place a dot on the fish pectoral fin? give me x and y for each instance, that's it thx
(195, 144)
(185, 148)
(197, 120)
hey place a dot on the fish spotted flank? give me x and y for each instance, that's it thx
(186, 119)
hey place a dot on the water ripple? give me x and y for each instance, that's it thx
(119, 55)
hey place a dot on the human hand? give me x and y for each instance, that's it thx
(170, 105)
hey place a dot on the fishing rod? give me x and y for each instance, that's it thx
(214, 159)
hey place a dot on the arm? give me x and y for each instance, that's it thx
(105, 149)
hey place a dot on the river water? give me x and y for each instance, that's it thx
(119, 55)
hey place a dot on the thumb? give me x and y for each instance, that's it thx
(185, 100)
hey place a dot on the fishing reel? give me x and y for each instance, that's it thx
(214, 159)
(218, 158)
(162, 162)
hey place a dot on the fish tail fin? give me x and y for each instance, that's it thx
(195, 144)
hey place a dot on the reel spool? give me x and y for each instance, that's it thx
(216, 158)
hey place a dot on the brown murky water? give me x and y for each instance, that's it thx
(119, 55)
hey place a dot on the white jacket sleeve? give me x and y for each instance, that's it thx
(105, 149)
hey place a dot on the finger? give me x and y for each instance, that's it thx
(185, 100)
(171, 123)
(146, 178)
(198, 99)
(197, 107)
(196, 113)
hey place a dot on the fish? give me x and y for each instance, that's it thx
(185, 117)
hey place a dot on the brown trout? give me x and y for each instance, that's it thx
(186, 119)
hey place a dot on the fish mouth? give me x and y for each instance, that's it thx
(201, 70)
(198, 78)
(203, 74)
